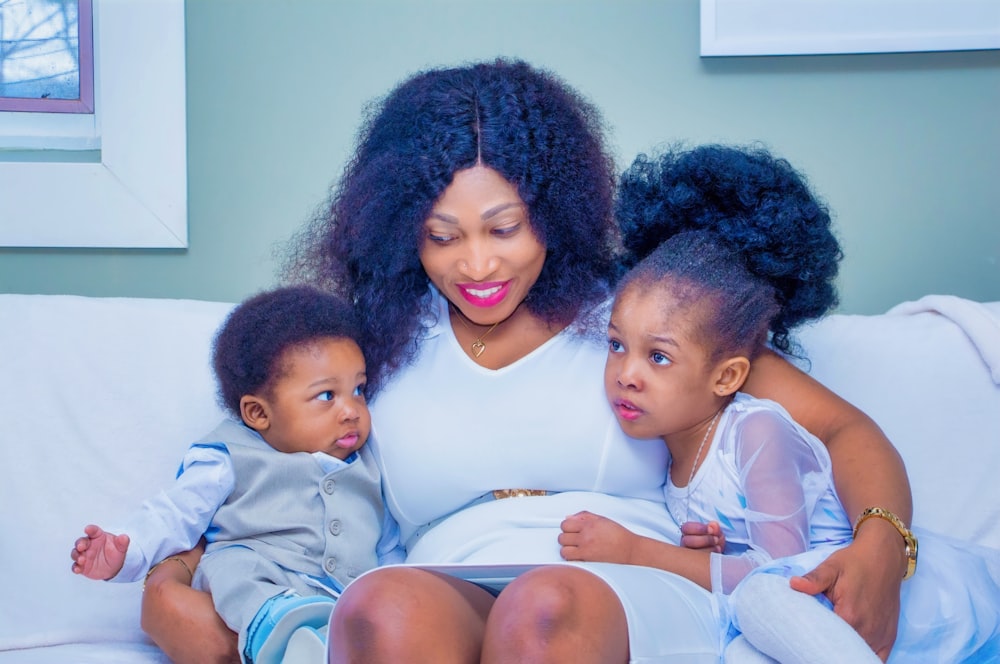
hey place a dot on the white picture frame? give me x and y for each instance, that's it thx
(136, 194)
(807, 27)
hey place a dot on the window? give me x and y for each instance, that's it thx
(46, 56)
(126, 184)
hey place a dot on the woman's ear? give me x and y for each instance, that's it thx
(254, 412)
(730, 374)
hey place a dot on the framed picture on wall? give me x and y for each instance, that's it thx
(798, 27)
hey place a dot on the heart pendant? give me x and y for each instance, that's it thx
(478, 347)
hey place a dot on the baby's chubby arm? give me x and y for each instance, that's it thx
(167, 523)
(99, 554)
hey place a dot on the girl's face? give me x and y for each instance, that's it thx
(479, 248)
(659, 378)
(318, 403)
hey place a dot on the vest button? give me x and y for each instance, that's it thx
(330, 564)
(329, 486)
(335, 527)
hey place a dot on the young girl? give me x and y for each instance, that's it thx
(289, 502)
(686, 325)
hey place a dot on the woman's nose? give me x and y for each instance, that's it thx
(480, 260)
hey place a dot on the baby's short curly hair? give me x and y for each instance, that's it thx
(248, 348)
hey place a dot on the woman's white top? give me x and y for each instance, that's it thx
(447, 431)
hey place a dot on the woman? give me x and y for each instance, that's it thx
(474, 226)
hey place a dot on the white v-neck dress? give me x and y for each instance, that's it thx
(447, 432)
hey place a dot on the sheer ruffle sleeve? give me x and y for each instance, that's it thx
(781, 477)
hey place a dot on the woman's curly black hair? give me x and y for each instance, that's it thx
(523, 122)
(248, 349)
(757, 203)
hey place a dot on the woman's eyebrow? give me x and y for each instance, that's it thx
(497, 209)
(488, 214)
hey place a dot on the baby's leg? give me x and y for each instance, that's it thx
(793, 627)
(260, 600)
(283, 624)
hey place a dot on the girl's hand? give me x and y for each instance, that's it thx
(695, 535)
(591, 537)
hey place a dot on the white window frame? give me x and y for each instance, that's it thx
(806, 27)
(136, 195)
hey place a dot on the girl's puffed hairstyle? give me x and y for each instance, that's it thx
(756, 203)
(249, 348)
(734, 307)
(524, 123)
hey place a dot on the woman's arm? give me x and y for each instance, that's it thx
(863, 579)
(182, 620)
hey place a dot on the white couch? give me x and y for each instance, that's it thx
(100, 397)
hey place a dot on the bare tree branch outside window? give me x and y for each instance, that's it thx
(46, 56)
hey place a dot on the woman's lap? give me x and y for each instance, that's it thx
(670, 619)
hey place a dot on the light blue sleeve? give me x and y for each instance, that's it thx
(175, 519)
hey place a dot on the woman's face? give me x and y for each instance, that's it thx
(479, 248)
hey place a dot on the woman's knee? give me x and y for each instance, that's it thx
(361, 610)
(397, 614)
(562, 611)
(544, 597)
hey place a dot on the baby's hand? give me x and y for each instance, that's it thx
(99, 555)
(709, 536)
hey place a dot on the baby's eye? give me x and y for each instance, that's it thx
(325, 396)
(659, 358)
(614, 346)
(359, 391)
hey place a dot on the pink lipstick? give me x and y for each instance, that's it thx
(486, 294)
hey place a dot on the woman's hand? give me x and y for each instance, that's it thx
(696, 535)
(863, 579)
(588, 536)
(863, 583)
(181, 620)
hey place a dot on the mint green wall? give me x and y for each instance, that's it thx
(905, 148)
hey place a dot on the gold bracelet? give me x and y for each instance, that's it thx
(177, 559)
(909, 539)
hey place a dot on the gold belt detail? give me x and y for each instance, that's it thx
(518, 493)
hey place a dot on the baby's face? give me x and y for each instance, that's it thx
(318, 403)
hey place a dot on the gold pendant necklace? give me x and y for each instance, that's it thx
(478, 346)
(694, 469)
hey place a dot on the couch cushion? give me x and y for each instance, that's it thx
(98, 400)
(924, 376)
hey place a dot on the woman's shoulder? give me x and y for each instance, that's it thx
(591, 322)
